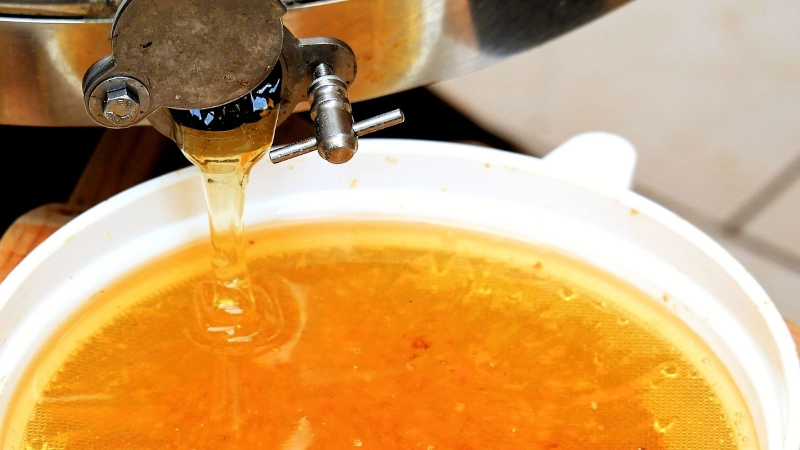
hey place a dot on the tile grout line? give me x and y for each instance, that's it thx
(759, 201)
(709, 226)
(769, 251)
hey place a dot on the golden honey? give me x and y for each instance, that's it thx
(395, 336)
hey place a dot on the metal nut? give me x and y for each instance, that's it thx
(116, 101)
(121, 105)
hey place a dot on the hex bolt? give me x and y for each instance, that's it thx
(121, 104)
(117, 102)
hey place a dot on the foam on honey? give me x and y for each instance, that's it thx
(403, 336)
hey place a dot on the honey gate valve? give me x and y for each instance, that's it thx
(202, 54)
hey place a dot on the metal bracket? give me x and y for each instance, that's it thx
(327, 67)
(205, 54)
(188, 54)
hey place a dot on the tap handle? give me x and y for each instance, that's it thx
(379, 122)
(335, 135)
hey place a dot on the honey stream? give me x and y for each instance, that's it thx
(225, 143)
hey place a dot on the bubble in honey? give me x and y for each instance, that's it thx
(670, 371)
(599, 304)
(483, 290)
(567, 293)
(663, 426)
(655, 383)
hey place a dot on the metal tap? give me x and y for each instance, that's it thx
(335, 135)
(202, 54)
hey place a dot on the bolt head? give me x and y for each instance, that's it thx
(121, 105)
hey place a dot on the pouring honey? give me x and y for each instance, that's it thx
(225, 143)
(359, 333)
(377, 334)
(391, 335)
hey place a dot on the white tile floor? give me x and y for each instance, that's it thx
(708, 92)
(779, 222)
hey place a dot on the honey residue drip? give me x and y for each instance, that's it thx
(407, 343)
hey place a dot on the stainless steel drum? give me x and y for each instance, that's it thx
(46, 46)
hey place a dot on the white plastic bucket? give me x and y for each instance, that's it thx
(576, 200)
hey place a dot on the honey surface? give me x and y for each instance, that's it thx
(396, 336)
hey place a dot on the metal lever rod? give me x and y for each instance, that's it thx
(309, 145)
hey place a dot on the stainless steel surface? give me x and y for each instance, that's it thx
(399, 44)
(376, 123)
(332, 116)
(95, 8)
(297, 61)
(197, 53)
(118, 102)
(195, 66)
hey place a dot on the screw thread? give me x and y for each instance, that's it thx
(322, 69)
